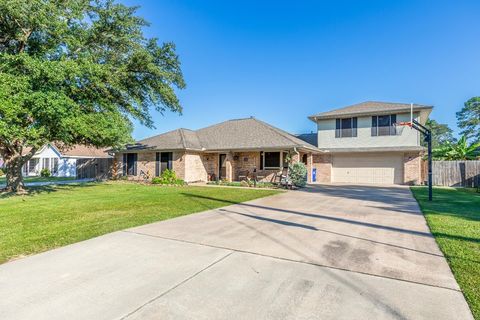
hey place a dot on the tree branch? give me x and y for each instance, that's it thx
(26, 35)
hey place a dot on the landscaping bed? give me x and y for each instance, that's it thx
(243, 184)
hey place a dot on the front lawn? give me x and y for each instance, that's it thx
(454, 219)
(3, 179)
(54, 216)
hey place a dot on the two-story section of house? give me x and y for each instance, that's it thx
(362, 143)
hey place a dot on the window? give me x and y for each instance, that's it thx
(346, 127)
(32, 165)
(163, 162)
(272, 160)
(129, 164)
(54, 166)
(46, 163)
(384, 125)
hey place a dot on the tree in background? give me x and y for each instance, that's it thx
(458, 151)
(441, 134)
(77, 71)
(468, 119)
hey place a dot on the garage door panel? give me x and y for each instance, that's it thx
(371, 168)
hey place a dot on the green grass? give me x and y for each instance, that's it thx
(54, 216)
(454, 219)
(40, 179)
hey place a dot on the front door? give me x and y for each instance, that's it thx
(131, 157)
(222, 166)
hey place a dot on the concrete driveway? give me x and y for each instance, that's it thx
(329, 252)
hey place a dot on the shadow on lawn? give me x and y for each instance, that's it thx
(47, 189)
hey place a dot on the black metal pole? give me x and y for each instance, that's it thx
(428, 137)
(429, 141)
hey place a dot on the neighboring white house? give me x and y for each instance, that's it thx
(61, 163)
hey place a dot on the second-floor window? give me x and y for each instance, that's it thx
(346, 127)
(384, 125)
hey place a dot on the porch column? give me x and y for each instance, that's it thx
(295, 157)
(229, 166)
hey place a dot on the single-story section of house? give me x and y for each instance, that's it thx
(227, 151)
(63, 162)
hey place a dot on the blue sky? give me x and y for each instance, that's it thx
(281, 61)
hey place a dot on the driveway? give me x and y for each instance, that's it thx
(328, 252)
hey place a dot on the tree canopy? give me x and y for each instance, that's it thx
(78, 71)
(468, 119)
(441, 134)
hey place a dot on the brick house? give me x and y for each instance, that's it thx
(228, 150)
(355, 144)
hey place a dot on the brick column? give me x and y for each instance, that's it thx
(309, 167)
(412, 163)
(323, 163)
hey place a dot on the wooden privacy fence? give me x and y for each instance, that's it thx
(95, 168)
(455, 173)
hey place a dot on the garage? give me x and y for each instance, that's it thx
(372, 168)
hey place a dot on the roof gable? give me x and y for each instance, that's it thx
(368, 108)
(171, 140)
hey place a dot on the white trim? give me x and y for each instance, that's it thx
(281, 159)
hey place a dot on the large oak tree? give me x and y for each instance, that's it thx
(77, 71)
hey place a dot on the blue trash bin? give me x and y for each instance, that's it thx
(314, 174)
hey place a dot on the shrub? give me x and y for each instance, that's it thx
(2, 173)
(180, 182)
(45, 173)
(298, 174)
(168, 177)
(156, 180)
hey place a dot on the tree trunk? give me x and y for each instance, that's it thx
(14, 161)
(14, 175)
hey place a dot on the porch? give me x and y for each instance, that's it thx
(262, 165)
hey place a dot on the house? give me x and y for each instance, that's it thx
(361, 143)
(62, 162)
(228, 150)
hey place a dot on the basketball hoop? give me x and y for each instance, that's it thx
(404, 123)
(399, 126)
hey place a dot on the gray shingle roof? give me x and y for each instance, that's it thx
(238, 134)
(172, 140)
(311, 138)
(367, 108)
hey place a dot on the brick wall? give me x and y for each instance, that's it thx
(323, 164)
(195, 168)
(412, 163)
(210, 162)
(146, 163)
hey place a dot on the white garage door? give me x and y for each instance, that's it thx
(368, 168)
